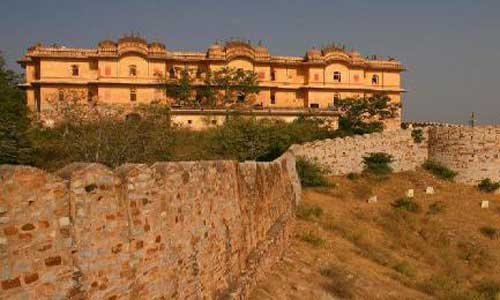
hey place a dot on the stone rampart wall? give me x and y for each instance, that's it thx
(474, 152)
(342, 156)
(176, 230)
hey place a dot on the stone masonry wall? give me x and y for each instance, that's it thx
(474, 152)
(175, 230)
(342, 156)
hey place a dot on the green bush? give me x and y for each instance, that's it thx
(313, 239)
(439, 170)
(311, 174)
(341, 283)
(417, 135)
(352, 176)
(404, 268)
(407, 204)
(309, 212)
(488, 231)
(488, 289)
(436, 207)
(488, 186)
(377, 163)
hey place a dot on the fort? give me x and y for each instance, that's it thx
(133, 71)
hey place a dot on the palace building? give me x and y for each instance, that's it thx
(129, 71)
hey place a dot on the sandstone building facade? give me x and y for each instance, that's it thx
(130, 70)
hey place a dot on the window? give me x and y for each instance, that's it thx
(171, 73)
(132, 70)
(314, 105)
(107, 70)
(74, 70)
(273, 76)
(190, 121)
(241, 97)
(273, 98)
(337, 76)
(133, 95)
(375, 79)
(214, 122)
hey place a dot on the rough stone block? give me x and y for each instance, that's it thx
(373, 199)
(410, 193)
(485, 204)
(429, 190)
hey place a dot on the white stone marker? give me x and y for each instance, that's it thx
(485, 204)
(429, 190)
(410, 193)
(373, 199)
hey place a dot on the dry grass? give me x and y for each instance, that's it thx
(447, 249)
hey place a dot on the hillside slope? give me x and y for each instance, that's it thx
(346, 248)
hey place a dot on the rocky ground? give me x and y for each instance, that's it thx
(445, 247)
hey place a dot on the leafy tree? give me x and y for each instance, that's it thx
(181, 89)
(234, 82)
(15, 146)
(363, 115)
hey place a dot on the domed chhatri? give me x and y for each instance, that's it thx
(106, 44)
(313, 54)
(215, 51)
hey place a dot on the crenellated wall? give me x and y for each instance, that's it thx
(471, 151)
(176, 230)
(342, 156)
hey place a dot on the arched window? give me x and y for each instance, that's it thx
(375, 79)
(171, 73)
(132, 70)
(74, 70)
(133, 95)
(337, 76)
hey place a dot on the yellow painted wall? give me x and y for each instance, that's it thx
(121, 95)
(337, 67)
(61, 68)
(242, 63)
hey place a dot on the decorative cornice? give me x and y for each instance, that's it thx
(231, 50)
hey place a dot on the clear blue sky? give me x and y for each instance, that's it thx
(451, 47)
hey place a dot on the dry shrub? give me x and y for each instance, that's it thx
(309, 212)
(341, 283)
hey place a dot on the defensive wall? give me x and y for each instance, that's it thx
(473, 152)
(342, 156)
(174, 230)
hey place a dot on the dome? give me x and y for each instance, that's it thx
(107, 44)
(215, 47)
(132, 39)
(313, 54)
(132, 43)
(157, 45)
(215, 50)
